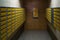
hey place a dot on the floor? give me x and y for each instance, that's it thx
(35, 35)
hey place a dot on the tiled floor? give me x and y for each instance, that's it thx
(35, 35)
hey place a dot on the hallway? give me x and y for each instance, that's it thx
(29, 19)
(35, 35)
(39, 23)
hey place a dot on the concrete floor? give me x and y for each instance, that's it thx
(35, 35)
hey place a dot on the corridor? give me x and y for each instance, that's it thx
(29, 19)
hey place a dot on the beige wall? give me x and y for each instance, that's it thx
(10, 3)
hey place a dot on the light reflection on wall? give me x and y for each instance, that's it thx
(9, 3)
(55, 3)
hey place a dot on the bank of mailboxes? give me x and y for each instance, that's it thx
(48, 15)
(10, 21)
(56, 17)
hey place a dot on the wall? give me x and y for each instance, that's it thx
(55, 3)
(40, 22)
(9, 3)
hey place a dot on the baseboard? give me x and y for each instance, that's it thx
(51, 33)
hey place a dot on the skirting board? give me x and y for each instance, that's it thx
(51, 33)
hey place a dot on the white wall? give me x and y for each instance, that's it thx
(9, 3)
(55, 3)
